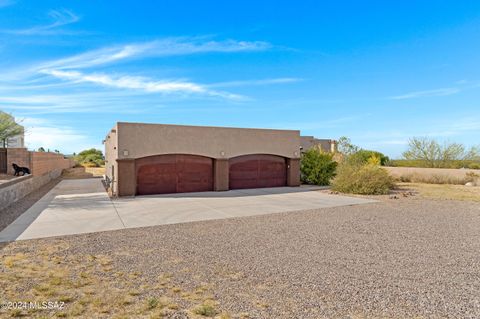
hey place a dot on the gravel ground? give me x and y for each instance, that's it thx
(393, 259)
(9, 214)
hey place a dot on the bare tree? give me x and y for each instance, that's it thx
(8, 128)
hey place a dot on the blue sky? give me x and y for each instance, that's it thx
(376, 71)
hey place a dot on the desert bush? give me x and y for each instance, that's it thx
(367, 156)
(472, 177)
(365, 179)
(474, 165)
(206, 309)
(317, 167)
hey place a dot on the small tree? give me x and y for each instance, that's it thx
(345, 146)
(90, 157)
(41, 149)
(434, 154)
(317, 167)
(8, 128)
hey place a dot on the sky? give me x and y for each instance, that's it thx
(379, 72)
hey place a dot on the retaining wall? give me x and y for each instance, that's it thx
(19, 187)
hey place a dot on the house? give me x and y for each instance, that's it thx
(156, 158)
(17, 141)
(326, 145)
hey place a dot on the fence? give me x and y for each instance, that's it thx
(40, 163)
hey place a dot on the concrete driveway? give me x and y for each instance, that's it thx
(78, 206)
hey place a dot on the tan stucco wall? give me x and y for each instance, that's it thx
(141, 140)
(111, 155)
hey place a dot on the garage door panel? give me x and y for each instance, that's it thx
(165, 174)
(257, 171)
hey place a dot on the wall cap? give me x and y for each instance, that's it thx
(15, 180)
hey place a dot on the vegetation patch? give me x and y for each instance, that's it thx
(427, 152)
(90, 158)
(206, 309)
(89, 286)
(367, 179)
(317, 167)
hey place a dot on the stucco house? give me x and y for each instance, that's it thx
(326, 145)
(156, 158)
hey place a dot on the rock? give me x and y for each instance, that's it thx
(469, 184)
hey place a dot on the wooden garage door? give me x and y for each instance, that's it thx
(174, 173)
(257, 171)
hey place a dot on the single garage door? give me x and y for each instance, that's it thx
(257, 171)
(174, 173)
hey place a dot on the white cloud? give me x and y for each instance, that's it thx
(255, 82)
(60, 18)
(156, 48)
(64, 85)
(42, 133)
(140, 83)
(428, 93)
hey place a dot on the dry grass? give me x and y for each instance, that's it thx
(91, 288)
(83, 172)
(444, 191)
(434, 175)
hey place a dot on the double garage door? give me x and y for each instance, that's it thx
(178, 173)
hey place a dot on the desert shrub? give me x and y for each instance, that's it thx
(90, 158)
(367, 156)
(474, 165)
(365, 179)
(317, 167)
(206, 309)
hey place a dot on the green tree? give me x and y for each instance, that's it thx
(8, 128)
(434, 154)
(91, 157)
(317, 167)
(41, 149)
